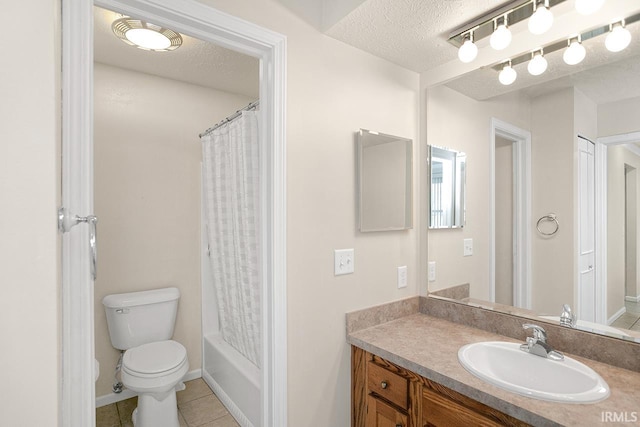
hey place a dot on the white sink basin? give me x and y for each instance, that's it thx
(503, 364)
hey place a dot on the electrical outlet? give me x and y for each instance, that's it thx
(402, 277)
(343, 261)
(432, 271)
(468, 247)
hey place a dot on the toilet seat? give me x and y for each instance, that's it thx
(156, 359)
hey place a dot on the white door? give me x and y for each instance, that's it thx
(586, 235)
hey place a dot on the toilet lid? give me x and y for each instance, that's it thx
(155, 357)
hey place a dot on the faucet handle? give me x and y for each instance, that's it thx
(568, 318)
(539, 333)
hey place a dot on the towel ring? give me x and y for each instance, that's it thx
(550, 218)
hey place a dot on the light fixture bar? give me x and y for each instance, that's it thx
(562, 44)
(515, 11)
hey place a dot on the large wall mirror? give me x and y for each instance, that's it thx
(580, 137)
(385, 176)
(447, 187)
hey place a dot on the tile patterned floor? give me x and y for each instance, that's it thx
(630, 319)
(197, 407)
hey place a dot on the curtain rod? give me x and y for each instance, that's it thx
(252, 106)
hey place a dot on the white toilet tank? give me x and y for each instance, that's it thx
(137, 318)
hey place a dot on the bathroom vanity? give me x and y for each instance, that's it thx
(405, 372)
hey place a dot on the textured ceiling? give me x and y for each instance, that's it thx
(197, 62)
(410, 33)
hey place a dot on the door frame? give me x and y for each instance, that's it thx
(521, 212)
(206, 23)
(601, 217)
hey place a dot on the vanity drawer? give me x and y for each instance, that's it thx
(388, 385)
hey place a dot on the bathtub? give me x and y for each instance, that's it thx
(233, 378)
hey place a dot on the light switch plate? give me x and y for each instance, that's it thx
(402, 277)
(343, 261)
(432, 271)
(468, 247)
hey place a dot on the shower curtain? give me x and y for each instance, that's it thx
(232, 209)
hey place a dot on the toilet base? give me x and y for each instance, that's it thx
(152, 412)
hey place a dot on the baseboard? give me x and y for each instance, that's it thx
(110, 398)
(617, 314)
(226, 401)
(632, 299)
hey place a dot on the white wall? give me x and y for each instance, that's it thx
(463, 124)
(619, 117)
(147, 194)
(333, 90)
(504, 221)
(29, 189)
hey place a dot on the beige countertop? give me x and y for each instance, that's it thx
(429, 347)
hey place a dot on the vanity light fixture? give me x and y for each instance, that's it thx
(618, 38)
(575, 52)
(538, 63)
(542, 18)
(501, 36)
(508, 75)
(468, 51)
(587, 7)
(145, 35)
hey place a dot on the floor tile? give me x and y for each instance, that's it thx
(126, 407)
(195, 390)
(183, 423)
(226, 421)
(107, 416)
(202, 410)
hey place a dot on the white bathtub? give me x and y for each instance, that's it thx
(233, 378)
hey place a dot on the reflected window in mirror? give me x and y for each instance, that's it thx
(447, 169)
(385, 176)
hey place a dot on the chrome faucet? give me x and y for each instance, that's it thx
(538, 343)
(568, 318)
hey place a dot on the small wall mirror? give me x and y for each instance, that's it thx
(385, 175)
(447, 197)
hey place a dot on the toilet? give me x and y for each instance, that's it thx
(153, 365)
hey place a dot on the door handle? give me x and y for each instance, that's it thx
(67, 220)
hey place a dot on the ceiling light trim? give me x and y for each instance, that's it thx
(121, 26)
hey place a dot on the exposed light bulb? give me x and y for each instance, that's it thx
(537, 65)
(468, 51)
(507, 75)
(587, 7)
(501, 37)
(618, 38)
(575, 53)
(541, 20)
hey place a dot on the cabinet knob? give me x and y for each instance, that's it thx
(384, 384)
(399, 425)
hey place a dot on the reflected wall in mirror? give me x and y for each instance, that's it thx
(447, 170)
(385, 176)
(584, 160)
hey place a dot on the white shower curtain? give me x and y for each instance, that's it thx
(232, 208)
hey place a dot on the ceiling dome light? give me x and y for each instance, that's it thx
(146, 36)
(542, 18)
(538, 63)
(618, 38)
(468, 51)
(501, 37)
(507, 75)
(587, 7)
(575, 53)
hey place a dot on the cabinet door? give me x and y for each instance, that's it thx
(438, 411)
(380, 414)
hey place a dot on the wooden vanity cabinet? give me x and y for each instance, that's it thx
(386, 395)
